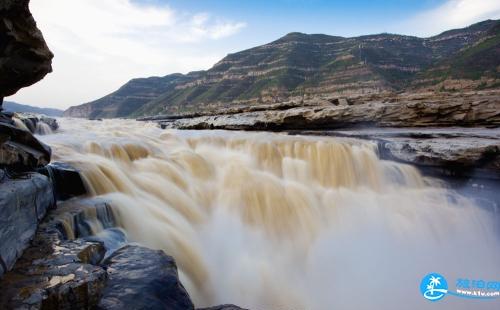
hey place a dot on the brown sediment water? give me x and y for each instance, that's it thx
(270, 221)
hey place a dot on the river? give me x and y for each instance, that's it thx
(271, 221)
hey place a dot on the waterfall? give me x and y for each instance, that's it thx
(38, 127)
(270, 221)
(20, 124)
(43, 128)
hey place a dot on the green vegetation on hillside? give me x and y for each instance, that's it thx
(299, 63)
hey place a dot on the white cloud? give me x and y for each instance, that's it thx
(452, 14)
(100, 44)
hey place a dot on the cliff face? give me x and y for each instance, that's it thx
(308, 65)
(24, 55)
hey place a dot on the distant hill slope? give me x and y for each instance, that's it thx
(305, 65)
(16, 107)
(479, 61)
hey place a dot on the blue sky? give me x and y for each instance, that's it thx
(101, 44)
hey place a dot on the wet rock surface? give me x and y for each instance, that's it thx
(67, 266)
(140, 278)
(66, 180)
(24, 200)
(55, 272)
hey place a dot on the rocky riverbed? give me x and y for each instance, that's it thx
(70, 265)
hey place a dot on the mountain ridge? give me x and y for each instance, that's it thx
(299, 64)
(24, 108)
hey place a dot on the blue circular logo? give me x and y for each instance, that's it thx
(433, 287)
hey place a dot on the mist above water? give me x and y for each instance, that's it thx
(269, 221)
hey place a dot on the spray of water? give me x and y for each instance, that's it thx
(269, 221)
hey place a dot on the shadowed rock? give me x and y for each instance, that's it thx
(66, 179)
(24, 55)
(140, 278)
(24, 60)
(20, 150)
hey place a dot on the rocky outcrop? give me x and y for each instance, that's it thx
(20, 150)
(24, 55)
(25, 196)
(456, 156)
(55, 272)
(24, 200)
(140, 277)
(443, 152)
(60, 270)
(70, 265)
(420, 110)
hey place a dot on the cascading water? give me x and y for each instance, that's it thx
(19, 124)
(269, 221)
(43, 128)
(39, 127)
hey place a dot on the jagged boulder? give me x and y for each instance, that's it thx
(24, 55)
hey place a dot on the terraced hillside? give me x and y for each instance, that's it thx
(308, 65)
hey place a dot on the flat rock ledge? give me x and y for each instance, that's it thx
(403, 110)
